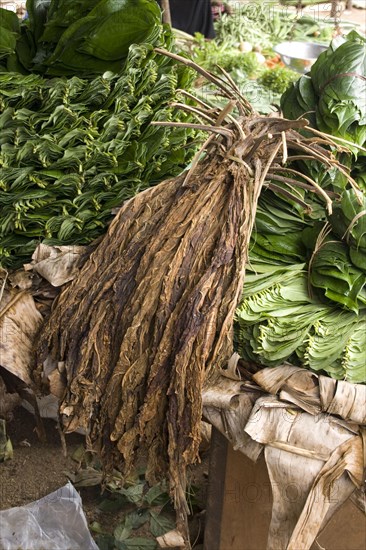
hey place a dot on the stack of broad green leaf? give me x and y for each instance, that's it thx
(335, 91)
(72, 149)
(84, 37)
(302, 302)
(305, 298)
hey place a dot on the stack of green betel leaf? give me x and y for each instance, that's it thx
(303, 302)
(85, 37)
(304, 298)
(334, 91)
(72, 148)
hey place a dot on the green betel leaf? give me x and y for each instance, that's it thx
(137, 518)
(339, 80)
(134, 493)
(8, 40)
(122, 531)
(349, 219)
(157, 495)
(66, 37)
(101, 39)
(358, 257)
(335, 90)
(61, 14)
(160, 524)
(354, 356)
(333, 271)
(132, 23)
(9, 20)
(300, 100)
(132, 521)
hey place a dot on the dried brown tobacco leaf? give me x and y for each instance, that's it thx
(148, 321)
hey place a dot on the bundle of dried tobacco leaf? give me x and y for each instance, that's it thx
(149, 318)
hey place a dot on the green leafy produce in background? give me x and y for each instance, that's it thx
(278, 79)
(209, 54)
(264, 24)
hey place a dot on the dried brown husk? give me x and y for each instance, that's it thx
(19, 324)
(148, 321)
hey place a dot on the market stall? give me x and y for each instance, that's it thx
(163, 225)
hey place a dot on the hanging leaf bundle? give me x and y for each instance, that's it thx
(149, 318)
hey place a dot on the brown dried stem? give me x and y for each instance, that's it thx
(148, 321)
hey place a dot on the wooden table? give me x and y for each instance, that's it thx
(239, 506)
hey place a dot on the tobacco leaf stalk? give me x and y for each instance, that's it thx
(148, 321)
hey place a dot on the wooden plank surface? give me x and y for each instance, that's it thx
(239, 500)
(239, 507)
(345, 531)
(215, 494)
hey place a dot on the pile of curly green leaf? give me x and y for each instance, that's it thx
(72, 149)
